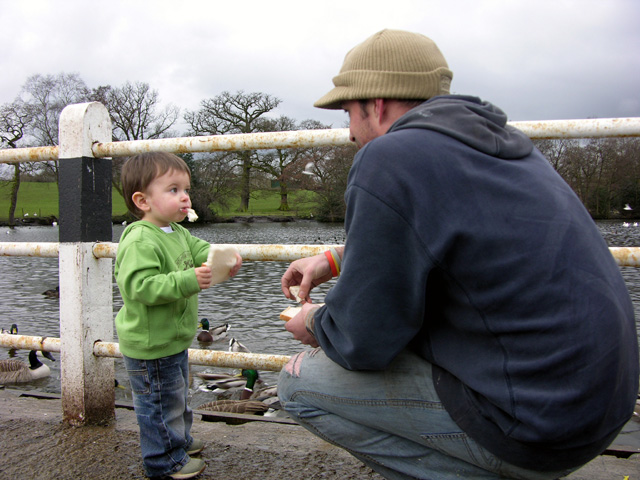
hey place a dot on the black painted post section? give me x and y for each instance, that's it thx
(85, 200)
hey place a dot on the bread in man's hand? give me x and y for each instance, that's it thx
(289, 312)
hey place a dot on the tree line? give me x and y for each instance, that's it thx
(605, 173)
(137, 114)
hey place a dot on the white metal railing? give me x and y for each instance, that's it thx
(624, 256)
(544, 129)
(86, 314)
(112, 349)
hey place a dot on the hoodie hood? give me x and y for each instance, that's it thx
(478, 124)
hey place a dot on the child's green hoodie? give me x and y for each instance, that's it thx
(155, 273)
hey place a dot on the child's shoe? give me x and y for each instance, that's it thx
(191, 469)
(196, 447)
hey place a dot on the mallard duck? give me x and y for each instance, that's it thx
(211, 335)
(52, 293)
(17, 371)
(13, 330)
(250, 407)
(214, 375)
(236, 386)
(236, 346)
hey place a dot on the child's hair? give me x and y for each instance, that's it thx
(140, 170)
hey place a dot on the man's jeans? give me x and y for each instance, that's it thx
(160, 389)
(391, 420)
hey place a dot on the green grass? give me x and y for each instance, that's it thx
(266, 202)
(42, 199)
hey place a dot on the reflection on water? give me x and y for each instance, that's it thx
(250, 302)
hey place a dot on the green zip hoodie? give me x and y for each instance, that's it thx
(155, 273)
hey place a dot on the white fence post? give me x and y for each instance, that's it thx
(86, 305)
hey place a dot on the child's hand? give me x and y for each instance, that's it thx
(237, 266)
(204, 276)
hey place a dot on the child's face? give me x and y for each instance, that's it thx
(167, 199)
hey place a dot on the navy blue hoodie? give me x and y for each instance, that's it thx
(465, 246)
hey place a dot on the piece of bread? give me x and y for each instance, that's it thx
(221, 260)
(289, 312)
(294, 291)
(192, 216)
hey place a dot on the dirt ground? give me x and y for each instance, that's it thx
(35, 444)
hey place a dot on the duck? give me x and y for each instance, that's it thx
(239, 386)
(249, 407)
(17, 371)
(214, 334)
(236, 346)
(13, 330)
(52, 293)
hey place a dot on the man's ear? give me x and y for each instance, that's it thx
(379, 110)
(140, 201)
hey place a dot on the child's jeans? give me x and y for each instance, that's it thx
(160, 389)
(391, 420)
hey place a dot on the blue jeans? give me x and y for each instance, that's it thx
(160, 389)
(392, 420)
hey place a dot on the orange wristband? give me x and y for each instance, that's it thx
(332, 263)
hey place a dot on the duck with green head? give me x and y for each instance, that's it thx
(207, 335)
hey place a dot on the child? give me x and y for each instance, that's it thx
(157, 273)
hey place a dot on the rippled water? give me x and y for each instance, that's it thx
(250, 302)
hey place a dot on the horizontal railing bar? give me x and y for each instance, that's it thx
(33, 154)
(213, 358)
(251, 252)
(26, 342)
(543, 129)
(29, 249)
(624, 256)
(583, 128)
(225, 143)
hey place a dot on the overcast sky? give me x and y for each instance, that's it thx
(537, 60)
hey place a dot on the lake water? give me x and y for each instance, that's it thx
(250, 302)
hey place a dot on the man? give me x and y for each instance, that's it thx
(479, 327)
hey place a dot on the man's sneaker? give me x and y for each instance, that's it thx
(193, 468)
(196, 447)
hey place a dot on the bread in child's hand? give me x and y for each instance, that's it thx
(221, 260)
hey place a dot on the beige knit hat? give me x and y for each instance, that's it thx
(390, 64)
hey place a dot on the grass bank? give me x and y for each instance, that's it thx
(41, 200)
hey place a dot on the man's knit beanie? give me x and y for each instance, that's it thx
(392, 64)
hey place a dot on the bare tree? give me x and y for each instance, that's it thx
(284, 164)
(212, 182)
(14, 120)
(46, 96)
(327, 170)
(556, 152)
(136, 114)
(230, 113)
